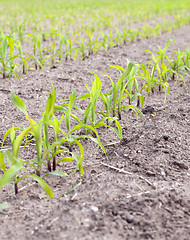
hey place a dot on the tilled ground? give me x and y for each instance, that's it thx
(140, 190)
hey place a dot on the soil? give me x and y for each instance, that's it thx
(139, 190)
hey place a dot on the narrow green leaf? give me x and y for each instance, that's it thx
(9, 174)
(2, 163)
(43, 184)
(19, 103)
(57, 173)
(18, 140)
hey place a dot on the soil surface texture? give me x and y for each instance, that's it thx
(139, 190)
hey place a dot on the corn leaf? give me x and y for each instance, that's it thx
(9, 174)
(43, 184)
(57, 173)
(19, 103)
(2, 163)
(18, 140)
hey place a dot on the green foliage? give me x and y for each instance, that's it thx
(86, 27)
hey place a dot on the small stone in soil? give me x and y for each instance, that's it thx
(148, 109)
(94, 208)
(130, 218)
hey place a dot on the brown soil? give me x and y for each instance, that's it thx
(147, 198)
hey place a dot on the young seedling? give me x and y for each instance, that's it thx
(148, 76)
(7, 60)
(25, 65)
(36, 130)
(127, 78)
(16, 164)
(177, 66)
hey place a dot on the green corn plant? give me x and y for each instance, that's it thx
(133, 34)
(107, 100)
(177, 66)
(56, 124)
(61, 42)
(125, 84)
(25, 65)
(42, 52)
(21, 27)
(71, 138)
(186, 59)
(73, 156)
(119, 37)
(119, 88)
(16, 164)
(81, 124)
(160, 65)
(148, 76)
(111, 40)
(53, 33)
(71, 134)
(104, 41)
(49, 111)
(131, 84)
(37, 45)
(68, 114)
(90, 111)
(161, 68)
(3, 53)
(7, 60)
(68, 46)
(53, 55)
(89, 33)
(36, 131)
(93, 95)
(12, 56)
(125, 36)
(35, 40)
(42, 140)
(81, 49)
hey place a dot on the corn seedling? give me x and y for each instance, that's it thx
(42, 52)
(37, 127)
(119, 88)
(178, 67)
(148, 76)
(61, 42)
(89, 33)
(82, 49)
(35, 40)
(83, 124)
(15, 164)
(56, 124)
(12, 56)
(161, 68)
(25, 65)
(159, 62)
(3, 53)
(186, 59)
(7, 60)
(53, 55)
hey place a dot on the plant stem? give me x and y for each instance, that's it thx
(54, 163)
(16, 188)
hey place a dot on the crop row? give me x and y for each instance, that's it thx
(73, 124)
(40, 34)
(13, 58)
